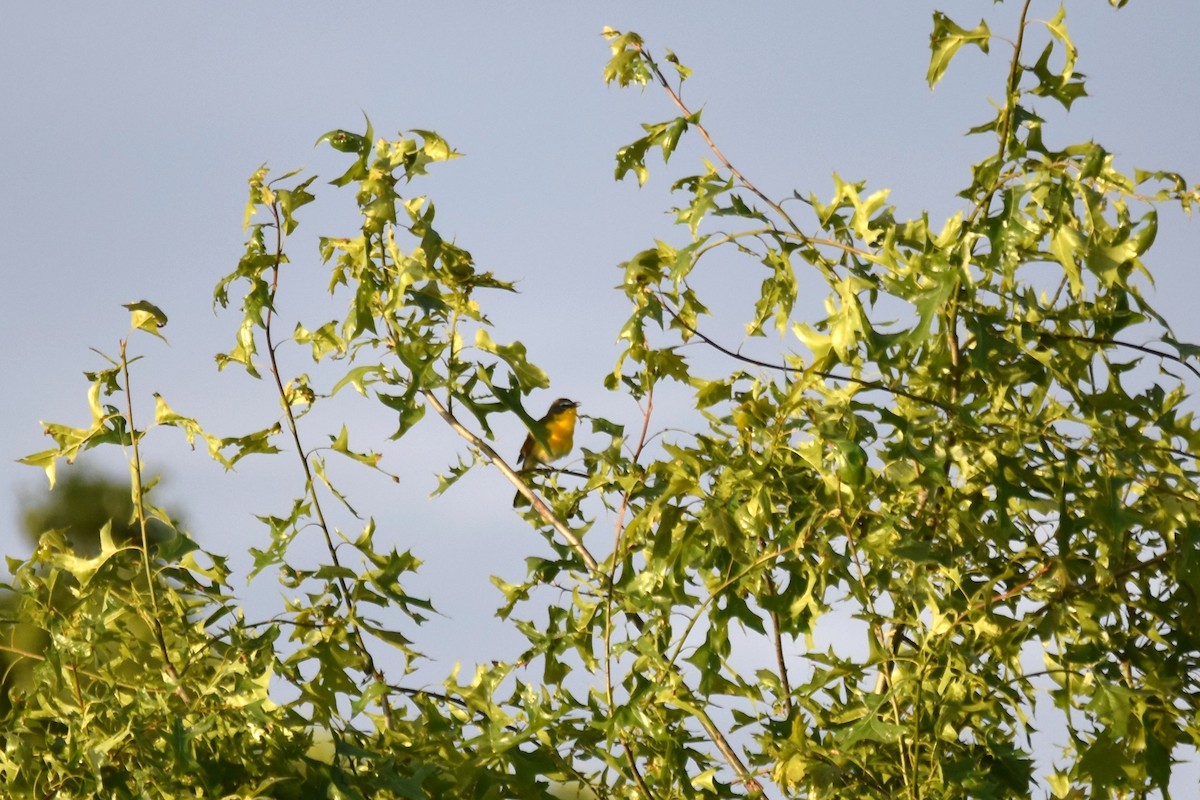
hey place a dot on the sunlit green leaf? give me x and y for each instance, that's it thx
(946, 40)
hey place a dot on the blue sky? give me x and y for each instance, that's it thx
(129, 132)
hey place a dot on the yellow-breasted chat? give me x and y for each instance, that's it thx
(556, 439)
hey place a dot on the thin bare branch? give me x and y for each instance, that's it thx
(687, 112)
(575, 543)
(310, 487)
(865, 383)
(139, 507)
(1141, 348)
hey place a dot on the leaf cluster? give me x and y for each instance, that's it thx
(955, 506)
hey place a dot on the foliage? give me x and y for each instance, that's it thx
(84, 504)
(978, 460)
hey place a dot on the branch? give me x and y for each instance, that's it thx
(475, 441)
(140, 513)
(1009, 108)
(1121, 343)
(107, 678)
(867, 384)
(310, 487)
(687, 112)
(618, 535)
(785, 683)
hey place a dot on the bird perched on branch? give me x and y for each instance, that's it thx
(558, 429)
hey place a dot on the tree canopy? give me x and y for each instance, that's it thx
(974, 461)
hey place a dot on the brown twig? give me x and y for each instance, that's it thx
(575, 543)
(618, 535)
(140, 513)
(310, 486)
(865, 383)
(785, 683)
(687, 112)
(1009, 110)
(1121, 343)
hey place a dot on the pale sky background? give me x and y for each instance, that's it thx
(130, 129)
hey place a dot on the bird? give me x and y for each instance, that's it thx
(558, 436)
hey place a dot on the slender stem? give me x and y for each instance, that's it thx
(662, 80)
(1119, 343)
(1009, 111)
(140, 512)
(19, 651)
(867, 384)
(914, 787)
(1010, 94)
(1000, 598)
(310, 486)
(576, 544)
(785, 683)
(637, 773)
(726, 238)
(76, 687)
(618, 535)
(883, 679)
(618, 548)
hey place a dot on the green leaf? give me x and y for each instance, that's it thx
(851, 462)
(341, 444)
(345, 141)
(145, 316)
(681, 70)
(627, 64)
(528, 375)
(394, 638)
(1066, 86)
(165, 415)
(411, 410)
(258, 442)
(292, 199)
(946, 40)
(81, 568)
(324, 340)
(1103, 763)
(870, 728)
(820, 345)
(1066, 244)
(435, 147)
(47, 460)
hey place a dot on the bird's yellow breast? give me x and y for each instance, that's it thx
(560, 433)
